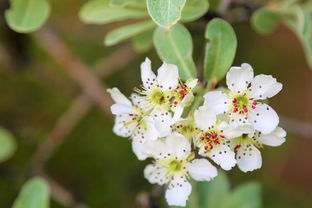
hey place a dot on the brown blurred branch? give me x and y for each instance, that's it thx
(62, 195)
(62, 127)
(88, 81)
(77, 70)
(297, 127)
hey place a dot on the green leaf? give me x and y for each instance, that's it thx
(7, 145)
(175, 46)
(265, 20)
(101, 12)
(143, 42)
(165, 13)
(299, 20)
(34, 194)
(26, 16)
(245, 196)
(128, 3)
(127, 32)
(220, 49)
(212, 194)
(194, 9)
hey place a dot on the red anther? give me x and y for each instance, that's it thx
(206, 147)
(130, 114)
(211, 147)
(237, 146)
(175, 102)
(217, 141)
(133, 118)
(250, 98)
(214, 134)
(235, 105)
(184, 86)
(234, 100)
(201, 138)
(254, 103)
(253, 107)
(235, 110)
(221, 136)
(245, 110)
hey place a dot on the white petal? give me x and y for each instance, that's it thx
(229, 132)
(264, 86)
(163, 120)
(178, 192)
(217, 101)
(237, 120)
(178, 145)
(201, 170)
(147, 75)
(155, 173)
(146, 131)
(137, 99)
(168, 76)
(248, 158)
(120, 128)
(275, 138)
(118, 109)
(204, 117)
(238, 78)
(139, 150)
(263, 118)
(118, 97)
(223, 156)
(191, 83)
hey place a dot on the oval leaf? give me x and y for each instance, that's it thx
(210, 193)
(128, 31)
(265, 20)
(175, 47)
(143, 42)
(165, 13)
(129, 3)
(220, 49)
(246, 196)
(7, 145)
(26, 16)
(101, 12)
(34, 194)
(194, 9)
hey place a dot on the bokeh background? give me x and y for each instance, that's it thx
(52, 88)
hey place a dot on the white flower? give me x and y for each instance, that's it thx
(212, 137)
(242, 103)
(174, 163)
(157, 90)
(247, 147)
(131, 121)
(164, 92)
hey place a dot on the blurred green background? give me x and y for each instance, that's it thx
(97, 167)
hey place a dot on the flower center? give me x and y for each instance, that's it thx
(242, 104)
(210, 139)
(157, 96)
(175, 166)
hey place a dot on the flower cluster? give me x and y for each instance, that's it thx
(229, 128)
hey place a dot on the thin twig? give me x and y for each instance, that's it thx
(63, 126)
(75, 68)
(62, 195)
(82, 103)
(297, 127)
